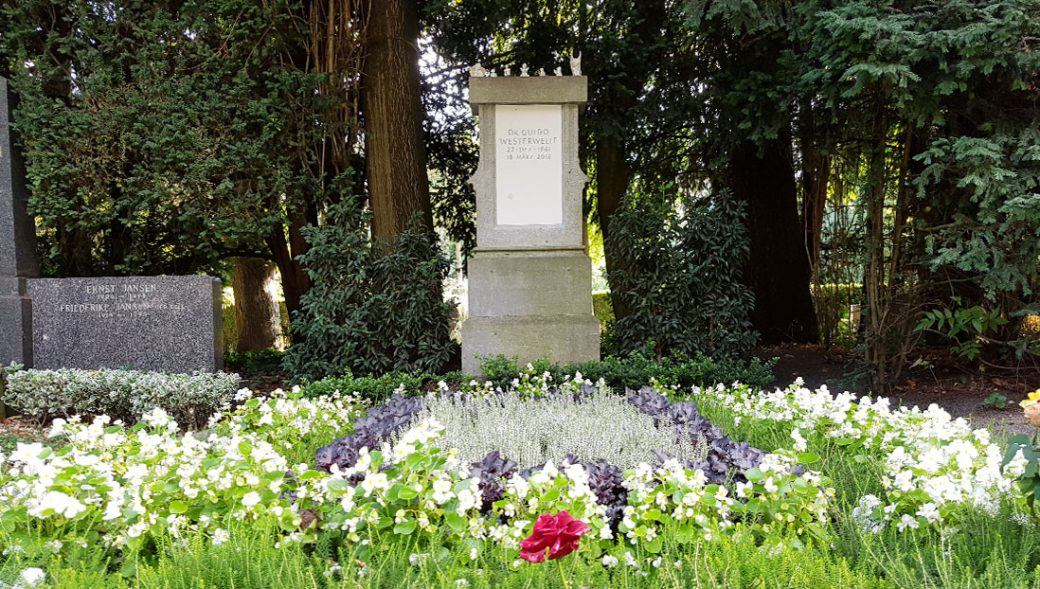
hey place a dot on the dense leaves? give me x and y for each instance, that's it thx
(160, 137)
(681, 277)
(372, 309)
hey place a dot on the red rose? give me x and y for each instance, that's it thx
(559, 533)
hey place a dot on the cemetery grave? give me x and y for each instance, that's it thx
(411, 204)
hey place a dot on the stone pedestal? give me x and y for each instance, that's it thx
(15, 322)
(530, 304)
(530, 279)
(17, 245)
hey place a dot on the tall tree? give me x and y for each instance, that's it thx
(256, 313)
(747, 79)
(778, 267)
(395, 155)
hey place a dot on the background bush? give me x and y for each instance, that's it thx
(260, 362)
(371, 309)
(120, 394)
(680, 275)
(637, 369)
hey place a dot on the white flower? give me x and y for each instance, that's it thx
(59, 503)
(1017, 466)
(251, 499)
(799, 442)
(220, 535)
(31, 577)
(930, 512)
(442, 491)
(374, 481)
(467, 501)
(27, 453)
(609, 561)
(907, 521)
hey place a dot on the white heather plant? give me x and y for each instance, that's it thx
(119, 394)
(597, 426)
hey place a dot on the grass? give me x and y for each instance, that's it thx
(250, 560)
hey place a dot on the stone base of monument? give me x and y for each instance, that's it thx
(529, 304)
(15, 321)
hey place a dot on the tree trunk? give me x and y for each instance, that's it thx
(877, 292)
(286, 247)
(256, 313)
(613, 175)
(778, 268)
(816, 167)
(618, 97)
(393, 113)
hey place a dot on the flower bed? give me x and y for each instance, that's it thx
(933, 466)
(389, 483)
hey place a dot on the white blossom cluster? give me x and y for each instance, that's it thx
(425, 490)
(934, 465)
(532, 431)
(151, 477)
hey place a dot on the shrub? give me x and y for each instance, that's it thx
(639, 368)
(254, 363)
(678, 275)
(374, 389)
(120, 394)
(371, 309)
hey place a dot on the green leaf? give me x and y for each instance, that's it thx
(685, 534)
(653, 546)
(341, 485)
(178, 507)
(406, 527)
(456, 522)
(754, 474)
(808, 458)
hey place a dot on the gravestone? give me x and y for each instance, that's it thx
(164, 323)
(17, 244)
(530, 278)
(167, 323)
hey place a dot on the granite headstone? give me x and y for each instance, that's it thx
(17, 244)
(167, 323)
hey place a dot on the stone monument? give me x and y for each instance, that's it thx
(530, 278)
(167, 323)
(17, 245)
(164, 323)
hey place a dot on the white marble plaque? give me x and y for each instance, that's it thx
(529, 164)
